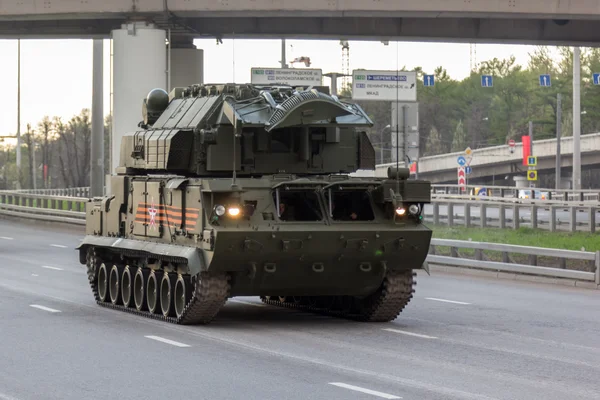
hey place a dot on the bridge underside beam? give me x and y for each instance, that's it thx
(450, 29)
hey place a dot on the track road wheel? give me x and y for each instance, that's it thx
(152, 292)
(166, 294)
(182, 294)
(103, 282)
(114, 283)
(126, 284)
(139, 289)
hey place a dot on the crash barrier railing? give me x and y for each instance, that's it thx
(71, 210)
(581, 266)
(83, 191)
(513, 192)
(495, 193)
(67, 209)
(551, 216)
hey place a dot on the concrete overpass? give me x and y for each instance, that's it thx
(517, 21)
(499, 161)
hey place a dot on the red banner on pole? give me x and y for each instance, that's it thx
(526, 148)
(413, 167)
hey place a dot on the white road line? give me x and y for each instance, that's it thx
(171, 342)
(34, 275)
(6, 238)
(6, 397)
(59, 245)
(44, 308)
(409, 333)
(247, 303)
(363, 390)
(446, 301)
(49, 267)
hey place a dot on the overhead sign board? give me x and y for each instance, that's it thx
(384, 85)
(286, 76)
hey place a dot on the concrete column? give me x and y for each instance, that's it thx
(187, 66)
(97, 151)
(139, 65)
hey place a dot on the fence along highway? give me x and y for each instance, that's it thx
(462, 338)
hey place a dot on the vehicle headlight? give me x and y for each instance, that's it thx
(400, 211)
(233, 211)
(220, 210)
(413, 209)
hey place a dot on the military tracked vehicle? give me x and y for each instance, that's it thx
(240, 190)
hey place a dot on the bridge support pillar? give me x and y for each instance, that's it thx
(186, 64)
(139, 65)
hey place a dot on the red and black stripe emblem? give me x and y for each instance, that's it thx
(150, 214)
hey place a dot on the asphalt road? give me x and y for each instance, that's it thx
(543, 216)
(460, 338)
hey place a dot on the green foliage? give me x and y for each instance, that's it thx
(455, 114)
(523, 236)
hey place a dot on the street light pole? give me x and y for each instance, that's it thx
(576, 118)
(558, 135)
(18, 113)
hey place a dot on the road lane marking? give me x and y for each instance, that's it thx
(52, 310)
(6, 397)
(168, 341)
(363, 390)
(447, 301)
(247, 302)
(59, 246)
(6, 238)
(34, 275)
(49, 267)
(409, 333)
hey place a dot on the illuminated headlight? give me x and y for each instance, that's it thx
(219, 210)
(400, 211)
(413, 209)
(233, 211)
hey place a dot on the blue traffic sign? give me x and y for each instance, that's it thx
(461, 160)
(487, 81)
(468, 170)
(429, 80)
(545, 80)
(482, 192)
(596, 78)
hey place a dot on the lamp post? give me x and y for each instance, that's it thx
(18, 113)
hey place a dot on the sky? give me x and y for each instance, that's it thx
(56, 75)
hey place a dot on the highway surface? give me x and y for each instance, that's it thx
(460, 338)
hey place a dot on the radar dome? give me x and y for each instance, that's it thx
(157, 100)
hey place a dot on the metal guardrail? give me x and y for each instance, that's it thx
(513, 192)
(71, 210)
(551, 216)
(479, 261)
(83, 191)
(55, 208)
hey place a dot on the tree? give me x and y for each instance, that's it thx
(46, 133)
(30, 142)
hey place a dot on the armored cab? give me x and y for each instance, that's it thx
(239, 190)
